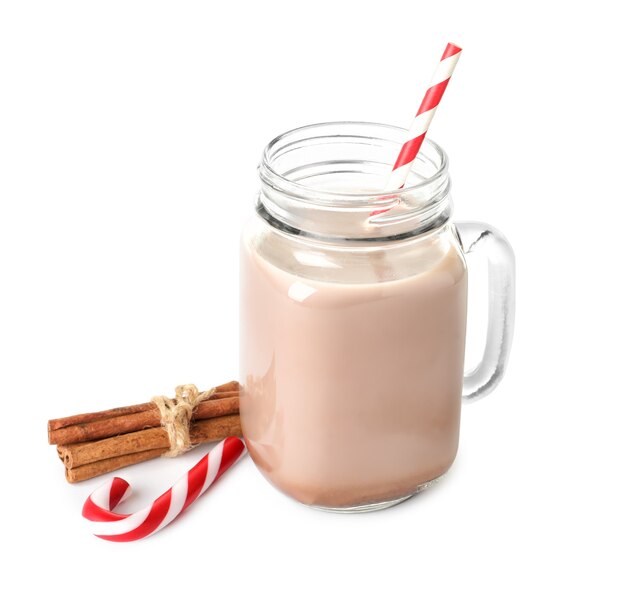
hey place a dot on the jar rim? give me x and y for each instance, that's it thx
(298, 188)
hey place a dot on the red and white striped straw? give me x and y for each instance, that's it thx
(423, 118)
(106, 524)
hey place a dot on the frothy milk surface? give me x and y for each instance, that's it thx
(351, 364)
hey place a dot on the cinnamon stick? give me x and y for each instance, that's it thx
(87, 460)
(63, 422)
(207, 430)
(104, 424)
(100, 467)
(232, 385)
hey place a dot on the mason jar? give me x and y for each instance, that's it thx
(353, 318)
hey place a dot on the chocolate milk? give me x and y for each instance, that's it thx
(352, 365)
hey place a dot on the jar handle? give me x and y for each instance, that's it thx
(487, 241)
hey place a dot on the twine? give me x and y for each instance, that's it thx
(176, 416)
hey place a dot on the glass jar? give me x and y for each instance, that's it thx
(353, 316)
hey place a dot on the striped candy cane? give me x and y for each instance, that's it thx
(129, 527)
(423, 118)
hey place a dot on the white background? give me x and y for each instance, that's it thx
(129, 138)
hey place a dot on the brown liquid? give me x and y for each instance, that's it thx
(352, 389)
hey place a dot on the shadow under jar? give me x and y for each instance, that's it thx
(353, 323)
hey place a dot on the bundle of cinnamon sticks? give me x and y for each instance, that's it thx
(91, 444)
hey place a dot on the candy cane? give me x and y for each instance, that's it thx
(129, 527)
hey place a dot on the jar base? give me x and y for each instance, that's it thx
(373, 506)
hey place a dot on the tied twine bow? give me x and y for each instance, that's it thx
(176, 416)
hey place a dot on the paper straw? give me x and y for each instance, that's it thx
(423, 118)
